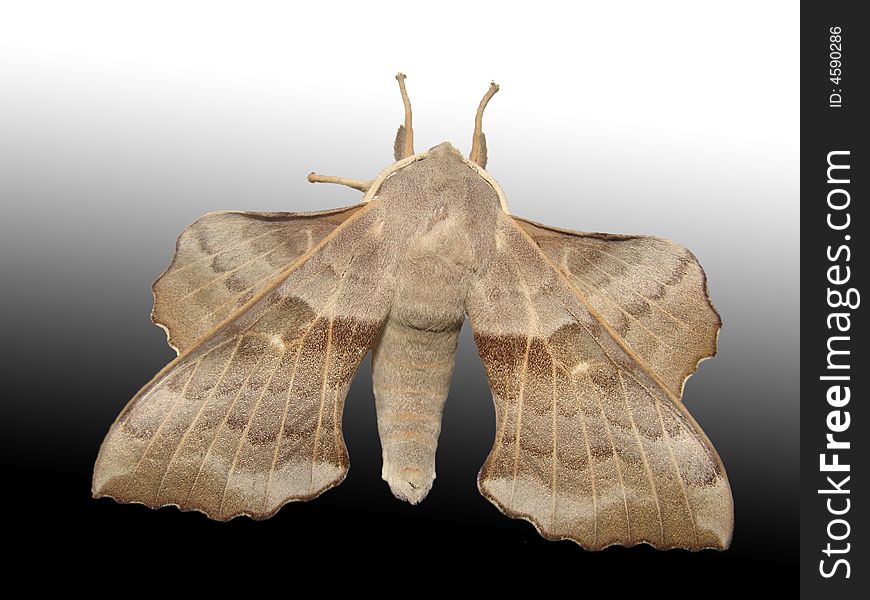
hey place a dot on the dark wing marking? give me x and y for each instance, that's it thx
(652, 291)
(223, 259)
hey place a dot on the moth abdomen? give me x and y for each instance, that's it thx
(411, 372)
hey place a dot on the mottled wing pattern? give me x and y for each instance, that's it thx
(590, 445)
(650, 290)
(223, 259)
(249, 418)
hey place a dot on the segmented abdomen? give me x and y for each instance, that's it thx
(411, 372)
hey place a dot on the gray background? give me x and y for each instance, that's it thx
(119, 126)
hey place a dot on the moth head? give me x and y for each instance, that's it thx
(403, 149)
(445, 149)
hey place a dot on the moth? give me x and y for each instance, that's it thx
(587, 340)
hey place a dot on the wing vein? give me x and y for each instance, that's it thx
(520, 418)
(533, 325)
(642, 451)
(588, 447)
(642, 455)
(280, 437)
(606, 422)
(533, 317)
(326, 361)
(679, 472)
(247, 428)
(193, 422)
(223, 276)
(335, 433)
(271, 277)
(223, 423)
(167, 415)
(229, 248)
(229, 300)
(591, 471)
(553, 481)
(632, 317)
(614, 278)
(646, 270)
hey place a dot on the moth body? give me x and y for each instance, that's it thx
(450, 214)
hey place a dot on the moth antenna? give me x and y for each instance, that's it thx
(356, 184)
(478, 141)
(404, 145)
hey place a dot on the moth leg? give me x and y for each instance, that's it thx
(356, 184)
(404, 144)
(478, 140)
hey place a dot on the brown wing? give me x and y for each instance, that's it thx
(249, 418)
(223, 259)
(652, 291)
(591, 446)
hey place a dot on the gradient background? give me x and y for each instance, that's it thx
(121, 125)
